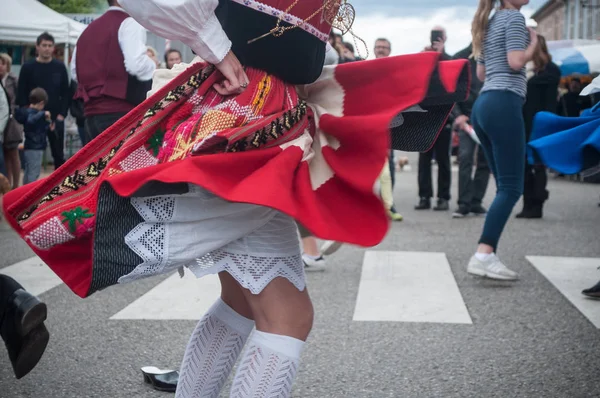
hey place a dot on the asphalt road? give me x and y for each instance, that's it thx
(526, 339)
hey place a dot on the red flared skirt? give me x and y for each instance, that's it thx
(312, 152)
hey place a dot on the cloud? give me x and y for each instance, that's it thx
(411, 33)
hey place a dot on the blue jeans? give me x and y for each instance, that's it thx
(33, 165)
(497, 118)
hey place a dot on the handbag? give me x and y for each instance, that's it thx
(13, 133)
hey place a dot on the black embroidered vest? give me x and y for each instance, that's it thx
(297, 56)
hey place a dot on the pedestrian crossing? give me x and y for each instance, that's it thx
(570, 275)
(33, 275)
(409, 287)
(395, 286)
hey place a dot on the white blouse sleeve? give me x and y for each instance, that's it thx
(192, 22)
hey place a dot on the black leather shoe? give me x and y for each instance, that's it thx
(531, 212)
(424, 204)
(161, 380)
(22, 326)
(478, 210)
(26, 352)
(442, 205)
(593, 292)
(29, 311)
(461, 212)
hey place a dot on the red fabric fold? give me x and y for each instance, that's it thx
(343, 208)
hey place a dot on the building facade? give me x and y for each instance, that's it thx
(569, 19)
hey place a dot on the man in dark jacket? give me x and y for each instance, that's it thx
(51, 75)
(441, 148)
(471, 189)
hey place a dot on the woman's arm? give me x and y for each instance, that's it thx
(481, 72)
(518, 51)
(192, 22)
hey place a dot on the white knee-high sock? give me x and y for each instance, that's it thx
(212, 351)
(268, 367)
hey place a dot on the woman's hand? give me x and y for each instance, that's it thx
(533, 37)
(235, 80)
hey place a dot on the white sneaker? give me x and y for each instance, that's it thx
(491, 268)
(330, 246)
(314, 264)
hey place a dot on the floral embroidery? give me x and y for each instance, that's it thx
(76, 217)
(155, 142)
(89, 173)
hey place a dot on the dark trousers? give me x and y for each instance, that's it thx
(534, 190)
(498, 121)
(82, 135)
(441, 148)
(96, 124)
(57, 143)
(2, 164)
(471, 189)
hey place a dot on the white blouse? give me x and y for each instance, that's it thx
(192, 22)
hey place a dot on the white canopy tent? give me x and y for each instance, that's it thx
(22, 21)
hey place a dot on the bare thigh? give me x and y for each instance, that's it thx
(279, 309)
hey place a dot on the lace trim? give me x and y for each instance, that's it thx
(149, 238)
(253, 272)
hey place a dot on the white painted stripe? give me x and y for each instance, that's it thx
(175, 298)
(571, 275)
(33, 275)
(409, 287)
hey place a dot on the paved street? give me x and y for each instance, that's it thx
(399, 320)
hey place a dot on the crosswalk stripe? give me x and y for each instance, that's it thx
(571, 275)
(409, 287)
(33, 275)
(186, 298)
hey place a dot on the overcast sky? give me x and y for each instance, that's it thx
(407, 23)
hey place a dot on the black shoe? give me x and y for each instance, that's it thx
(26, 352)
(461, 212)
(592, 292)
(424, 204)
(442, 205)
(478, 210)
(161, 380)
(531, 212)
(22, 326)
(29, 311)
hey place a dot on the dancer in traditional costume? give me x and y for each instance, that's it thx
(503, 47)
(569, 145)
(211, 171)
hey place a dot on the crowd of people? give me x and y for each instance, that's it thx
(260, 264)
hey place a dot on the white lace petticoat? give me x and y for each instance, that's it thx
(208, 235)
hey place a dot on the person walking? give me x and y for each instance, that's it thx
(542, 90)
(502, 46)
(471, 188)
(51, 75)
